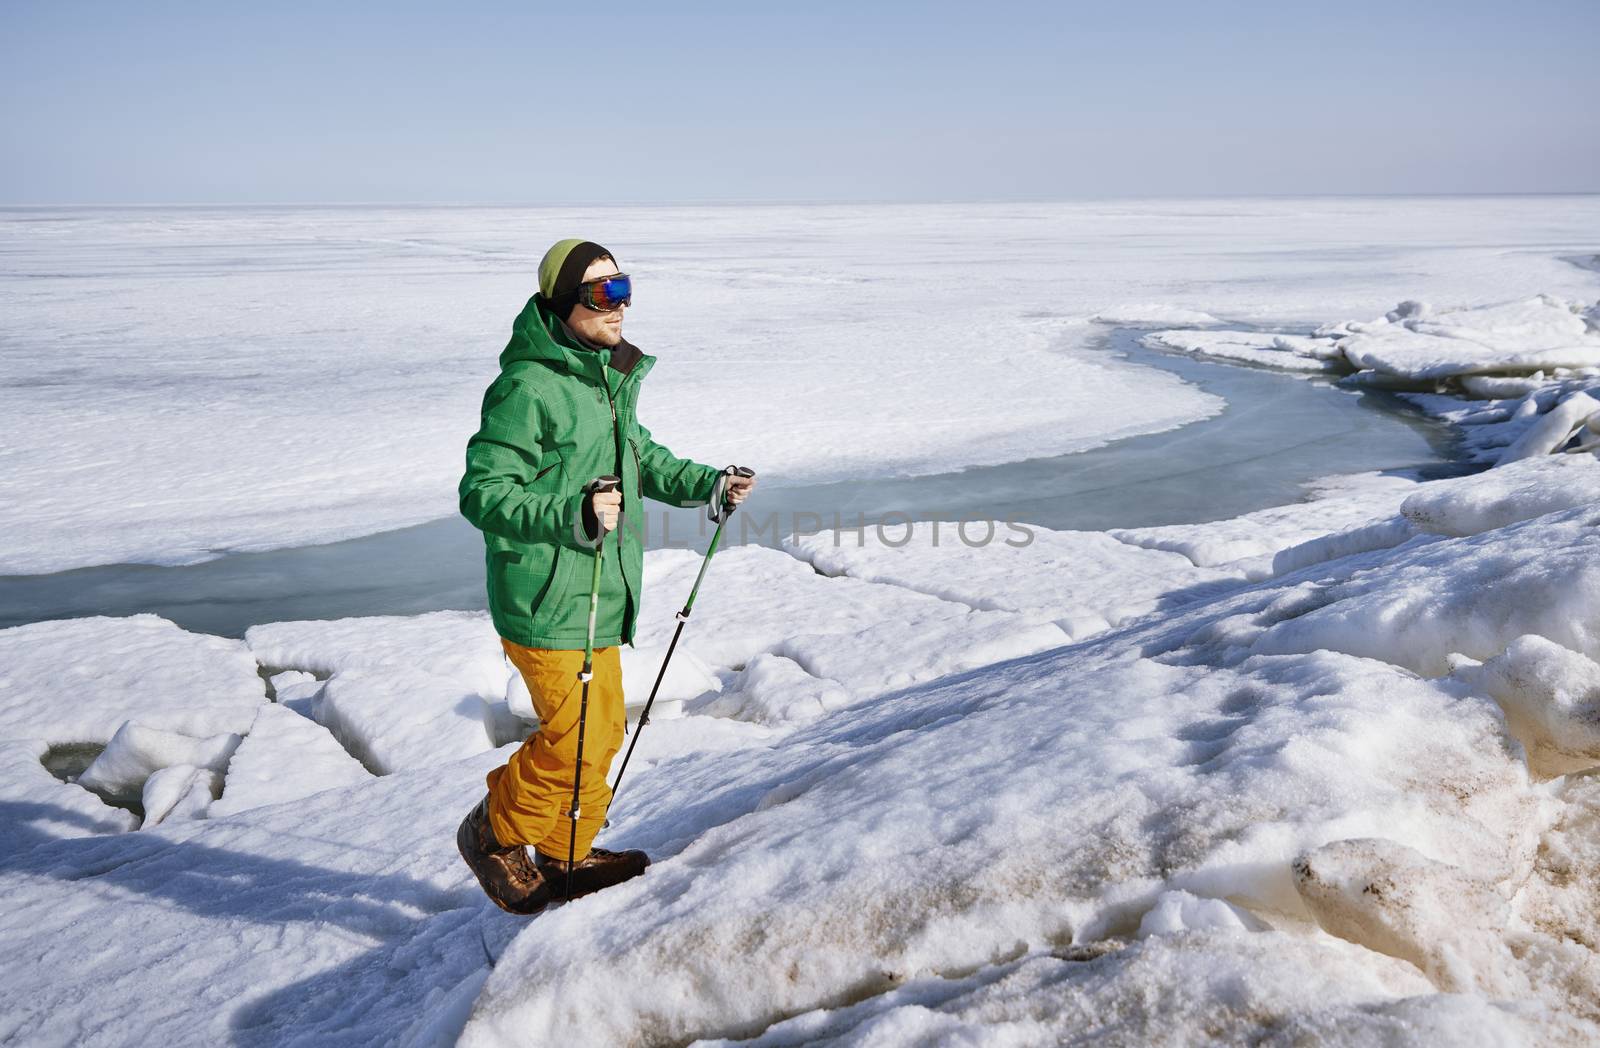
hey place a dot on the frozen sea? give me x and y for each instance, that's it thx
(1282, 730)
(181, 383)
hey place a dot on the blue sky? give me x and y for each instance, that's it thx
(662, 102)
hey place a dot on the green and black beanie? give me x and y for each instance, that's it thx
(561, 271)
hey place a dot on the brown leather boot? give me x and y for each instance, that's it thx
(599, 869)
(505, 872)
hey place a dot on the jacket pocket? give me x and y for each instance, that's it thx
(638, 470)
(545, 604)
(549, 473)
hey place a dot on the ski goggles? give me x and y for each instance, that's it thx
(606, 294)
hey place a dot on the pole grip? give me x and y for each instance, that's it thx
(721, 509)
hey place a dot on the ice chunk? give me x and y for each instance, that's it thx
(460, 645)
(939, 638)
(1395, 900)
(772, 689)
(1177, 911)
(687, 676)
(753, 598)
(403, 690)
(284, 757)
(1554, 429)
(1498, 387)
(42, 807)
(1498, 497)
(296, 690)
(1524, 335)
(79, 680)
(1551, 697)
(1472, 595)
(398, 717)
(1363, 538)
(863, 635)
(1268, 349)
(136, 752)
(181, 791)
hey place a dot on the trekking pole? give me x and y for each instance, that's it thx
(683, 616)
(606, 483)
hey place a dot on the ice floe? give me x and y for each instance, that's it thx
(1515, 377)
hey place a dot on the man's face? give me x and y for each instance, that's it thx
(601, 329)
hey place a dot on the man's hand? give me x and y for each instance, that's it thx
(731, 489)
(739, 488)
(605, 506)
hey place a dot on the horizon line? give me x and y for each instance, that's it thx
(794, 201)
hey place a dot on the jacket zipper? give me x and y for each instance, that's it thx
(616, 437)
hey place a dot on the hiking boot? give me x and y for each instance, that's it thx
(507, 875)
(599, 869)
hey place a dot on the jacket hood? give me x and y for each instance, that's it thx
(539, 335)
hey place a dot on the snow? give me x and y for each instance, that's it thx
(1414, 341)
(78, 680)
(1551, 699)
(82, 683)
(772, 689)
(1434, 597)
(167, 409)
(1232, 989)
(1320, 774)
(1553, 428)
(1248, 542)
(1247, 814)
(284, 758)
(1493, 499)
(1141, 314)
(1082, 581)
(1530, 365)
(136, 752)
(1179, 911)
(1484, 350)
(1252, 347)
(1238, 771)
(856, 637)
(179, 791)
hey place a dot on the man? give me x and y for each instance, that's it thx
(561, 415)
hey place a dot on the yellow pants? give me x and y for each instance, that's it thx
(530, 798)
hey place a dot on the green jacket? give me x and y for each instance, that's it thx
(559, 415)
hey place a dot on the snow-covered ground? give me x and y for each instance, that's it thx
(1318, 774)
(1344, 803)
(180, 383)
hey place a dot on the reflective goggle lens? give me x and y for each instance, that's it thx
(608, 294)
